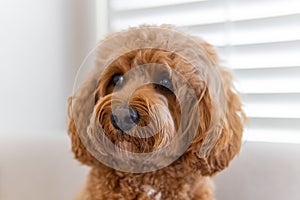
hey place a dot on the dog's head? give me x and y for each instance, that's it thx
(171, 96)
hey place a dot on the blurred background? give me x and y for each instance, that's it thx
(43, 43)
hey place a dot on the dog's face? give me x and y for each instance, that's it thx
(141, 103)
(150, 116)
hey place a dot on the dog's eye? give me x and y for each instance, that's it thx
(165, 84)
(117, 80)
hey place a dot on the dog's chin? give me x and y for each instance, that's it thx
(137, 142)
(130, 143)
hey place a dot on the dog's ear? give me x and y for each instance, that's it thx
(79, 111)
(220, 129)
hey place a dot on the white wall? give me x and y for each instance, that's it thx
(42, 43)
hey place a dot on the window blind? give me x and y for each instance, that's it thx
(258, 39)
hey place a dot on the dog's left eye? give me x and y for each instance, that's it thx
(165, 84)
(117, 80)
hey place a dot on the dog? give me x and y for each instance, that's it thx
(156, 117)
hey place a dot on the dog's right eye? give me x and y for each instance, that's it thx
(117, 80)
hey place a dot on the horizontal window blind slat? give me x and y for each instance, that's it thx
(260, 87)
(245, 10)
(273, 105)
(271, 135)
(268, 73)
(271, 21)
(275, 123)
(119, 5)
(268, 80)
(275, 111)
(272, 129)
(268, 55)
(274, 98)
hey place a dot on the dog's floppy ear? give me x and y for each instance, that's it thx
(79, 112)
(220, 128)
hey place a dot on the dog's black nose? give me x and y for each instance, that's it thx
(124, 119)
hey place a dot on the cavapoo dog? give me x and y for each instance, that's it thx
(156, 117)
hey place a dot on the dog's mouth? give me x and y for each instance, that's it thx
(133, 144)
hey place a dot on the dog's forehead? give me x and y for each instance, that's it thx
(165, 38)
(153, 62)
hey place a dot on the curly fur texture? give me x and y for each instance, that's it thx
(215, 143)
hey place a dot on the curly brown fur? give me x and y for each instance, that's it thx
(215, 144)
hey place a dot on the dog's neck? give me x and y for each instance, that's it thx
(172, 182)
